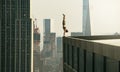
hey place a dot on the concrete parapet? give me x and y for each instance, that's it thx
(91, 56)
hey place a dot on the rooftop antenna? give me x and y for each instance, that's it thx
(36, 22)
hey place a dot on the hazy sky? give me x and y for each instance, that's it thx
(105, 15)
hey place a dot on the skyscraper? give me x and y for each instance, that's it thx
(47, 26)
(86, 19)
(49, 52)
(36, 49)
(15, 36)
(59, 44)
(60, 54)
(49, 39)
(49, 47)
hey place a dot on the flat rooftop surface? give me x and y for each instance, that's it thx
(115, 42)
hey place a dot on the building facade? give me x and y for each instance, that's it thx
(36, 50)
(15, 36)
(49, 45)
(91, 54)
(59, 45)
(60, 53)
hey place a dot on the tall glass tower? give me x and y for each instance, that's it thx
(15, 36)
(47, 25)
(86, 18)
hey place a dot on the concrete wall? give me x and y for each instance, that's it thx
(82, 55)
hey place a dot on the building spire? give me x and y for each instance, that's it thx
(86, 19)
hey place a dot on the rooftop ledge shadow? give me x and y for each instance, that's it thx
(97, 37)
(87, 43)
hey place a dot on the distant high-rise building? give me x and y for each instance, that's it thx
(49, 45)
(76, 33)
(49, 51)
(15, 36)
(59, 44)
(47, 25)
(86, 19)
(36, 49)
(60, 54)
(49, 41)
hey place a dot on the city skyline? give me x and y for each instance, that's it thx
(104, 14)
(21, 40)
